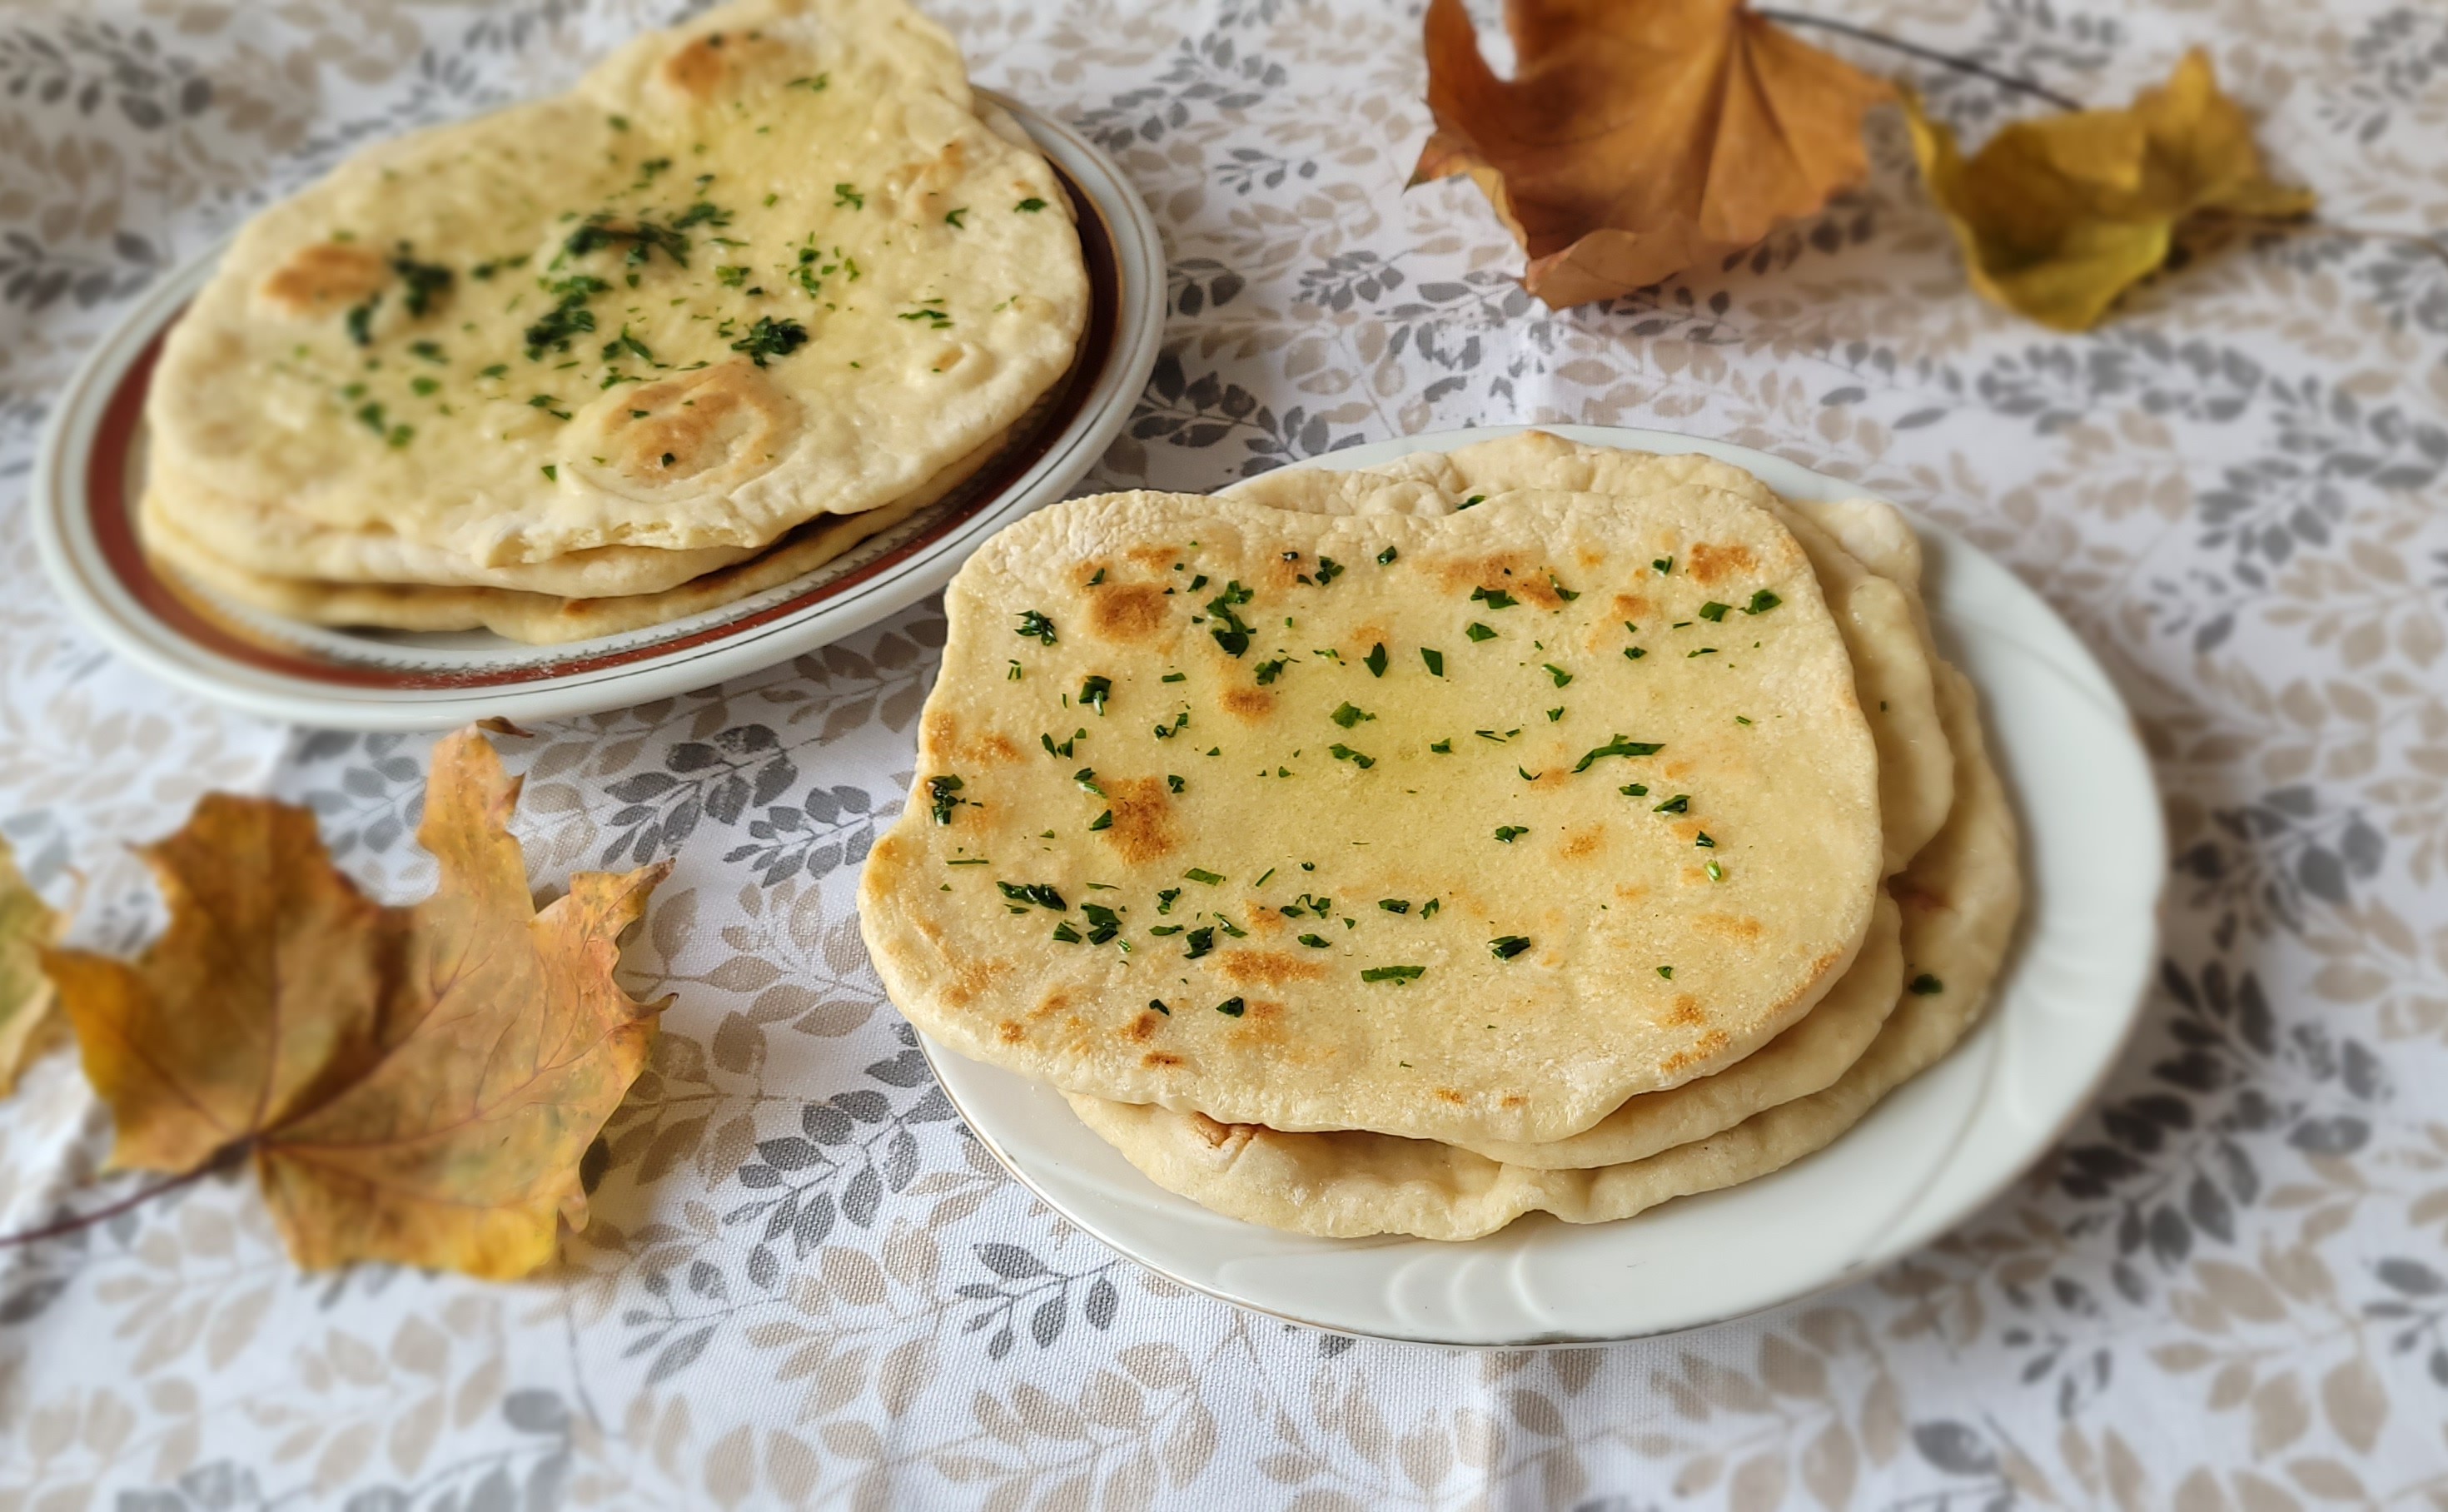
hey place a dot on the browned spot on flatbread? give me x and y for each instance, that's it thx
(1686, 1012)
(1514, 1100)
(724, 423)
(1010, 1033)
(1155, 559)
(1252, 704)
(1142, 1028)
(1629, 606)
(327, 277)
(698, 70)
(942, 739)
(1707, 1047)
(1712, 565)
(1268, 968)
(1732, 926)
(1687, 830)
(1630, 891)
(1142, 828)
(1264, 920)
(1501, 571)
(1126, 611)
(1449, 1094)
(1159, 1060)
(1581, 844)
(1053, 1002)
(970, 980)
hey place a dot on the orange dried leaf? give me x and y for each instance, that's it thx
(27, 925)
(415, 1084)
(1637, 138)
(2059, 215)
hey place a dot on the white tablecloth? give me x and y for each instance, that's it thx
(806, 1285)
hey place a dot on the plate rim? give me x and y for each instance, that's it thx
(1903, 1237)
(71, 562)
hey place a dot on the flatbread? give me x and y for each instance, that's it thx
(541, 619)
(1890, 646)
(1803, 1059)
(501, 414)
(1766, 747)
(1959, 900)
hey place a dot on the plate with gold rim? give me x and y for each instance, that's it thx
(88, 477)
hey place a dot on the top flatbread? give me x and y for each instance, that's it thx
(1579, 949)
(766, 266)
(1879, 614)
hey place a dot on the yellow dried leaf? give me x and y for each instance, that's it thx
(1637, 138)
(2059, 215)
(27, 926)
(414, 1084)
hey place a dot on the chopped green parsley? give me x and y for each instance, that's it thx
(1433, 661)
(1232, 1007)
(770, 337)
(1345, 753)
(1035, 625)
(945, 792)
(1713, 611)
(1375, 660)
(1507, 833)
(1040, 894)
(1477, 631)
(1349, 714)
(1392, 973)
(1619, 746)
(1926, 986)
(1505, 947)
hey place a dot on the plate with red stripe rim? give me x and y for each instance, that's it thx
(89, 475)
(1931, 1154)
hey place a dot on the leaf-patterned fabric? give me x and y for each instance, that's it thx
(806, 1285)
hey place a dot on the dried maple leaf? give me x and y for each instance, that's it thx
(414, 1084)
(27, 925)
(1637, 138)
(2059, 215)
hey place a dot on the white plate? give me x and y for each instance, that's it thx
(1926, 1158)
(88, 474)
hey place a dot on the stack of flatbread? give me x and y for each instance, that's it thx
(757, 289)
(1532, 827)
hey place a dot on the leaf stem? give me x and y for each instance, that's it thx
(1949, 60)
(103, 1214)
